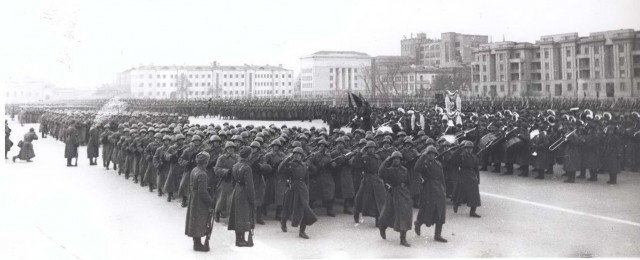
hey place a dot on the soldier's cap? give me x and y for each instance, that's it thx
(338, 140)
(371, 144)
(296, 144)
(200, 133)
(202, 157)
(303, 137)
(346, 138)
(157, 135)
(402, 133)
(360, 131)
(396, 154)
(215, 138)
(386, 140)
(244, 134)
(151, 129)
(127, 130)
(362, 141)
(283, 127)
(167, 137)
(260, 134)
(234, 131)
(196, 138)
(239, 125)
(142, 130)
(259, 139)
(229, 144)
(432, 149)
(442, 139)
(323, 133)
(276, 142)
(236, 137)
(368, 137)
(179, 136)
(421, 133)
(255, 144)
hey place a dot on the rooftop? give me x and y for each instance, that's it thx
(210, 67)
(352, 54)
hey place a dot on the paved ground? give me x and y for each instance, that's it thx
(54, 212)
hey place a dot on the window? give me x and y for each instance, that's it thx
(150, 76)
(547, 87)
(501, 56)
(537, 55)
(224, 76)
(569, 87)
(224, 92)
(501, 88)
(515, 88)
(623, 86)
(149, 84)
(330, 77)
(597, 87)
(568, 75)
(620, 48)
(597, 75)
(586, 50)
(585, 86)
(597, 63)
(484, 58)
(141, 85)
(568, 53)
(621, 61)
(568, 64)
(190, 76)
(196, 76)
(355, 85)
(158, 76)
(501, 77)
(622, 73)
(484, 78)
(224, 84)
(546, 76)
(546, 65)
(484, 88)
(546, 54)
(484, 68)
(638, 86)
(501, 67)
(477, 87)
(208, 75)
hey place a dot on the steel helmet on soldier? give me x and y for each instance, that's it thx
(196, 138)
(396, 154)
(229, 144)
(298, 150)
(255, 144)
(371, 144)
(215, 138)
(432, 149)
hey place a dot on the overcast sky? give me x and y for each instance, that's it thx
(85, 43)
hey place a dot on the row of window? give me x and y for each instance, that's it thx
(164, 76)
(355, 85)
(338, 70)
(22, 94)
(585, 87)
(208, 84)
(331, 78)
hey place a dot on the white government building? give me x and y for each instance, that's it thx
(203, 82)
(332, 73)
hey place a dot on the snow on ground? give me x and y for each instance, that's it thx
(54, 212)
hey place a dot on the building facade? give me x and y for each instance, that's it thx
(332, 73)
(601, 65)
(203, 82)
(27, 90)
(410, 81)
(451, 50)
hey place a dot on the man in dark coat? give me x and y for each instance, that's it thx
(259, 168)
(371, 195)
(224, 186)
(7, 142)
(572, 156)
(296, 201)
(397, 211)
(612, 152)
(71, 144)
(242, 212)
(467, 190)
(433, 198)
(275, 183)
(342, 174)
(321, 183)
(200, 203)
(26, 149)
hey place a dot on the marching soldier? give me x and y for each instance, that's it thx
(321, 184)
(187, 161)
(243, 198)
(275, 183)
(342, 175)
(161, 164)
(151, 172)
(433, 197)
(467, 190)
(224, 186)
(296, 202)
(397, 211)
(172, 155)
(259, 168)
(372, 194)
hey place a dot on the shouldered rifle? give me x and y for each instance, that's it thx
(209, 227)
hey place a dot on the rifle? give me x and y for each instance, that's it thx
(250, 239)
(209, 227)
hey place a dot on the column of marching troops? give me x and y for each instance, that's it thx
(412, 159)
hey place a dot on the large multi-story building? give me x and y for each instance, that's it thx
(331, 73)
(452, 50)
(603, 64)
(408, 81)
(214, 81)
(27, 90)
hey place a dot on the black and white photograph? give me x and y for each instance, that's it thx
(332, 129)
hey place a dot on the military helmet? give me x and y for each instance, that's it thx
(229, 144)
(298, 150)
(236, 137)
(196, 138)
(371, 144)
(276, 142)
(215, 138)
(362, 141)
(396, 154)
(430, 141)
(179, 136)
(167, 137)
(402, 133)
(157, 135)
(468, 144)
(255, 144)
(323, 142)
(432, 149)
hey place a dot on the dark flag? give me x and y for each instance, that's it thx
(350, 104)
(357, 100)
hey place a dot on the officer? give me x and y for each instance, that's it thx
(467, 189)
(198, 222)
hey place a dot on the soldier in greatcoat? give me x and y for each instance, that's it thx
(243, 199)
(432, 197)
(200, 204)
(397, 211)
